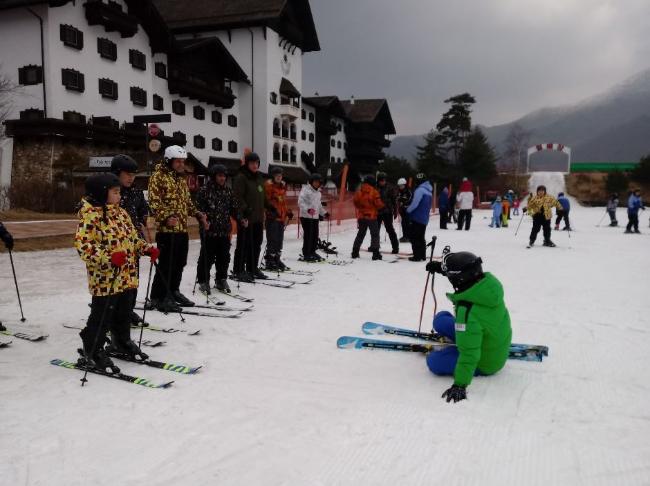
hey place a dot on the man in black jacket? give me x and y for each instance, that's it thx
(404, 199)
(388, 213)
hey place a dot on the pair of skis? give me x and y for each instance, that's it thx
(269, 282)
(26, 336)
(524, 352)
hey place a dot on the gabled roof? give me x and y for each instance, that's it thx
(370, 111)
(290, 18)
(330, 103)
(227, 65)
(288, 89)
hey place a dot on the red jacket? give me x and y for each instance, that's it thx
(367, 201)
(276, 197)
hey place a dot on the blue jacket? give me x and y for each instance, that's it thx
(420, 206)
(497, 209)
(443, 199)
(634, 203)
(566, 205)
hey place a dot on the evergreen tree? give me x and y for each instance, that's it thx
(456, 123)
(477, 157)
(396, 167)
(430, 157)
(641, 173)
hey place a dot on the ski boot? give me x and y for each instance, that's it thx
(259, 275)
(317, 257)
(136, 320)
(128, 349)
(376, 255)
(243, 277)
(167, 306)
(395, 251)
(2, 327)
(271, 266)
(104, 363)
(222, 285)
(282, 266)
(549, 243)
(182, 300)
(204, 288)
(85, 359)
(354, 255)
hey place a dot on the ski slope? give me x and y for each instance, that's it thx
(278, 404)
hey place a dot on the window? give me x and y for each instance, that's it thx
(158, 103)
(137, 59)
(217, 145)
(292, 131)
(108, 88)
(274, 98)
(199, 141)
(74, 117)
(72, 37)
(232, 121)
(73, 80)
(276, 152)
(311, 137)
(178, 107)
(292, 156)
(199, 112)
(338, 144)
(285, 130)
(285, 153)
(107, 49)
(303, 135)
(340, 128)
(138, 96)
(30, 74)
(217, 117)
(311, 117)
(160, 68)
(332, 160)
(276, 127)
(232, 147)
(180, 137)
(332, 143)
(338, 160)
(303, 114)
(32, 114)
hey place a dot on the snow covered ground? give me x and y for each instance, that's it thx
(278, 404)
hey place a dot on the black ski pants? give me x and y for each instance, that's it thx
(405, 221)
(418, 242)
(632, 221)
(173, 258)
(540, 222)
(249, 247)
(309, 236)
(215, 250)
(464, 218)
(108, 312)
(562, 215)
(274, 239)
(386, 219)
(363, 226)
(444, 217)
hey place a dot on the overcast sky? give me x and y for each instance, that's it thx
(513, 55)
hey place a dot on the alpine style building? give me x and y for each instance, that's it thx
(229, 73)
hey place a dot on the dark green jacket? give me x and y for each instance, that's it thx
(483, 332)
(249, 193)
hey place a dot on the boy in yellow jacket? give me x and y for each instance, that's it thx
(539, 208)
(109, 244)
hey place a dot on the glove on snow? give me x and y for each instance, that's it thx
(455, 393)
(118, 258)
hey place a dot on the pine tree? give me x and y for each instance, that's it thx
(396, 167)
(430, 158)
(456, 123)
(477, 159)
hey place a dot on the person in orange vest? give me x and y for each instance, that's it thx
(368, 202)
(277, 218)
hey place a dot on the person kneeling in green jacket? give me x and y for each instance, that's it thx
(481, 328)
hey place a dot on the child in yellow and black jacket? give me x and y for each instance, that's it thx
(110, 246)
(539, 208)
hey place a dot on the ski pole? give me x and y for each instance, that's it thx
(146, 299)
(426, 285)
(520, 220)
(20, 304)
(601, 219)
(206, 266)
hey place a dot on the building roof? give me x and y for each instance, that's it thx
(5, 4)
(330, 103)
(370, 111)
(290, 18)
(222, 58)
(288, 89)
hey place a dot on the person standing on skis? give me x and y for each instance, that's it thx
(419, 211)
(563, 214)
(278, 216)
(368, 203)
(311, 213)
(634, 203)
(612, 204)
(404, 199)
(539, 208)
(480, 327)
(388, 213)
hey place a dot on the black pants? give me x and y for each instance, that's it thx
(418, 243)
(310, 236)
(173, 258)
(405, 220)
(387, 220)
(612, 216)
(562, 215)
(109, 312)
(274, 239)
(444, 217)
(632, 221)
(249, 247)
(215, 250)
(364, 225)
(464, 217)
(540, 222)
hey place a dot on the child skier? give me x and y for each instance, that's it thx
(515, 206)
(277, 218)
(481, 327)
(612, 204)
(217, 202)
(563, 213)
(539, 208)
(634, 203)
(367, 202)
(497, 212)
(109, 244)
(311, 212)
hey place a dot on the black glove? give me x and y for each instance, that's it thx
(455, 393)
(327, 215)
(524, 210)
(290, 214)
(8, 240)
(435, 267)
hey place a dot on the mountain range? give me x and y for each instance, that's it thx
(613, 126)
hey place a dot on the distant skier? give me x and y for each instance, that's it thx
(465, 201)
(419, 211)
(497, 213)
(634, 203)
(515, 206)
(612, 204)
(539, 208)
(311, 212)
(367, 202)
(8, 240)
(481, 328)
(563, 213)
(443, 207)
(404, 199)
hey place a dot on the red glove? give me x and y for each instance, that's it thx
(311, 212)
(153, 253)
(118, 258)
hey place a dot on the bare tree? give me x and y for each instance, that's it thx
(516, 142)
(8, 90)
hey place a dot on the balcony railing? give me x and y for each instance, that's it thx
(289, 110)
(186, 83)
(113, 19)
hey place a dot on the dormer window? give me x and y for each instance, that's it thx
(178, 107)
(73, 80)
(30, 75)
(72, 37)
(138, 96)
(107, 49)
(160, 68)
(108, 88)
(199, 113)
(137, 59)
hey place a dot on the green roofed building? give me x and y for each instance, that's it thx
(602, 166)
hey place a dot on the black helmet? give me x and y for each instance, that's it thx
(97, 187)
(123, 163)
(369, 179)
(252, 157)
(541, 188)
(276, 171)
(463, 269)
(381, 176)
(215, 169)
(420, 177)
(315, 177)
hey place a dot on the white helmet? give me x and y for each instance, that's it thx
(401, 181)
(175, 152)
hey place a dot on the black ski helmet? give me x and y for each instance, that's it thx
(315, 177)
(276, 171)
(381, 176)
(217, 169)
(252, 157)
(97, 187)
(369, 179)
(463, 269)
(541, 187)
(123, 163)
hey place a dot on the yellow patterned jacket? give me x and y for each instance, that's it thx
(545, 203)
(101, 233)
(169, 196)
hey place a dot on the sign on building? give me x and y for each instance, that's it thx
(100, 162)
